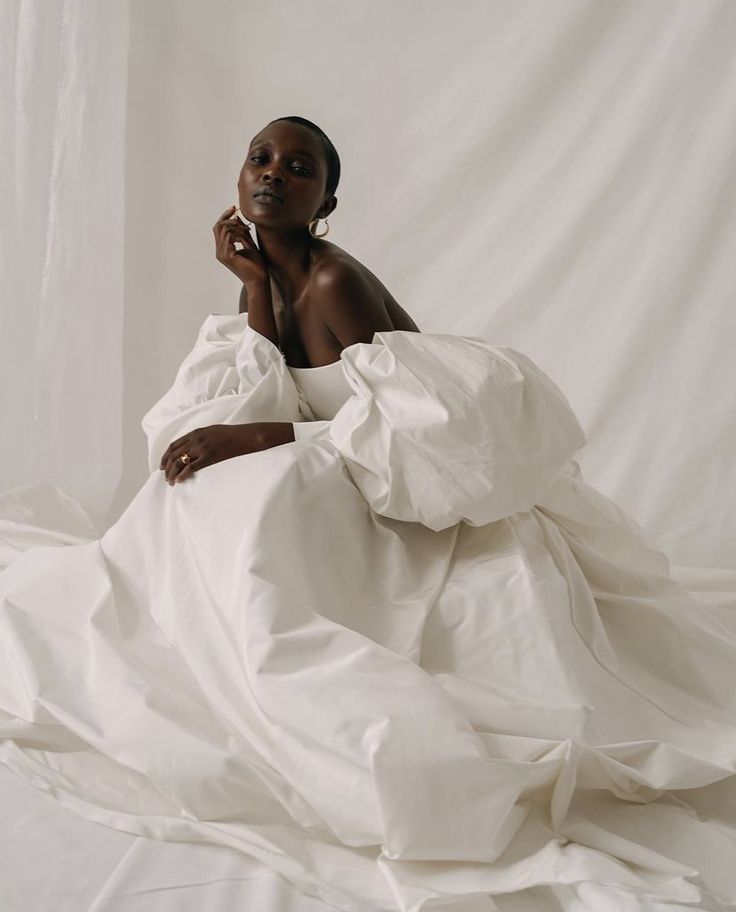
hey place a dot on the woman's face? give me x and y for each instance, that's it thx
(288, 160)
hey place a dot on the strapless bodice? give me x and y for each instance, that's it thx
(325, 388)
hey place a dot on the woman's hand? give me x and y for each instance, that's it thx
(207, 445)
(248, 264)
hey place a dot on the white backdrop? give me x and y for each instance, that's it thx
(552, 175)
(63, 72)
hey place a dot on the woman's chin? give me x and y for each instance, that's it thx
(266, 218)
(271, 221)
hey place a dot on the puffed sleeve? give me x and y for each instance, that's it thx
(444, 428)
(232, 375)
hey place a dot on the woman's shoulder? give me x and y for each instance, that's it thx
(334, 266)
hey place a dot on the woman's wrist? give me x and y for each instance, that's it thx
(258, 283)
(275, 433)
(260, 311)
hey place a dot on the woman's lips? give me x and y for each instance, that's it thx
(267, 198)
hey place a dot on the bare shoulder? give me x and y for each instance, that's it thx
(347, 301)
(342, 282)
(342, 272)
(334, 266)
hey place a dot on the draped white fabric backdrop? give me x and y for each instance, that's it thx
(553, 175)
(64, 68)
(557, 176)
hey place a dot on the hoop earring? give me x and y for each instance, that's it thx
(313, 224)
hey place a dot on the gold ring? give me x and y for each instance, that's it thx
(185, 458)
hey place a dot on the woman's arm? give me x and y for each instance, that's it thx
(260, 309)
(250, 267)
(274, 433)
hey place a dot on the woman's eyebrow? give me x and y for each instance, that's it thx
(293, 152)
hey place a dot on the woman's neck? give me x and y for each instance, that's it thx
(289, 257)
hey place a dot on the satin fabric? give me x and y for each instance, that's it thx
(412, 661)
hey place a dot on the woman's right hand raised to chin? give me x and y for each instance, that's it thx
(247, 264)
(250, 267)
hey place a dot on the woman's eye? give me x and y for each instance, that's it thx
(298, 168)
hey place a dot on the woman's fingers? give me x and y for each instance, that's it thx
(239, 229)
(230, 225)
(171, 462)
(227, 235)
(245, 260)
(180, 471)
(246, 242)
(227, 215)
(174, 446)
(222, 228)
(224, 218)
(233, 230)
(228, 253)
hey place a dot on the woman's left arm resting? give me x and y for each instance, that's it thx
(274, 433)
(207, 445)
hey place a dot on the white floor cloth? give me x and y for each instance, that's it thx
(412, 661)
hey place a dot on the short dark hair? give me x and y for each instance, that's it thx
(333, 159)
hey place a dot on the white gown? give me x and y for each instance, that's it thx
(409, 661)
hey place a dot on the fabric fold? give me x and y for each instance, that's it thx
(445, 428)
(412, 663)
(306, 430)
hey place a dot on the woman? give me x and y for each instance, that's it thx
(305, 294)
(385, 638)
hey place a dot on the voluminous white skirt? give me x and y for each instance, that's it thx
(412, 662)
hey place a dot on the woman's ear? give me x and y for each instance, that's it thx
(327, 208)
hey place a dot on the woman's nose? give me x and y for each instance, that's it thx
(273, 175)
